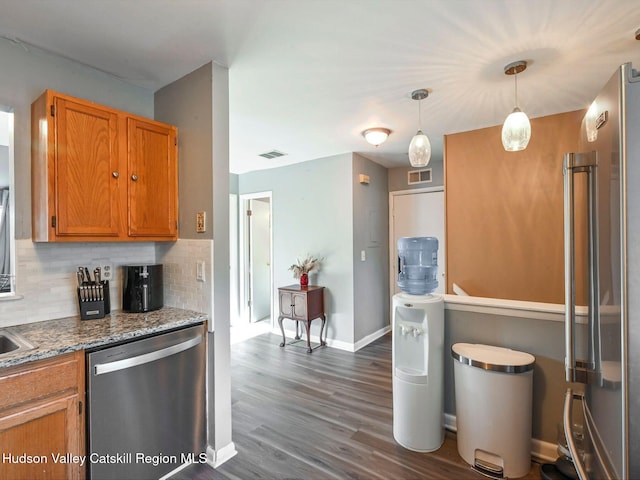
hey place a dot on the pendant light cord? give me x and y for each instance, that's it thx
(516, 80)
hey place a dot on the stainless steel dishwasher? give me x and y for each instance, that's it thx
(146, 405)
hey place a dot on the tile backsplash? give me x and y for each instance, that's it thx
(179, 259)
(46, 276)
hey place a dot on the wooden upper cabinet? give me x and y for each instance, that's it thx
(100, 174)
(153, 177)
(85, 159)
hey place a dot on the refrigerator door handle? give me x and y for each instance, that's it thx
(580, 370)
(568, 433)
(599, 452)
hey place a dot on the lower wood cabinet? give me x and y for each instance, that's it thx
(42, 419)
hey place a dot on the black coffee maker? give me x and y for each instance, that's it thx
(142, 288)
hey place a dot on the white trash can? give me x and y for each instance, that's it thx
(494, 395)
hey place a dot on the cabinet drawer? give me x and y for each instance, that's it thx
(39, 379)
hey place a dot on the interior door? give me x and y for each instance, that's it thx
(260, 258)
(419, 214)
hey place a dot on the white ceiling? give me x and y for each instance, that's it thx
(308, 76)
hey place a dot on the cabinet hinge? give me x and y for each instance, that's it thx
(249, 213)
(53, 110)
(53, 221)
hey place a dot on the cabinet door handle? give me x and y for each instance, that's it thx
(134, 177)
(115, 174)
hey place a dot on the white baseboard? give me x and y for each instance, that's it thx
(372, 338)
(215, 458)
(541, 451)
(340, 345)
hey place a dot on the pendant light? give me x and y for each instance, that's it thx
(420, 147)
(516, 130)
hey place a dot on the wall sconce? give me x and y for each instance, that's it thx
(420, 147)
(516, 130)
(376, 136)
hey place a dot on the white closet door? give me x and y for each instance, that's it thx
(418, 215)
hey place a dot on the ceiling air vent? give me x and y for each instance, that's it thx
(419, 176)
(272, 154)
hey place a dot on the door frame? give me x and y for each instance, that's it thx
(392, 247)
(245, 278)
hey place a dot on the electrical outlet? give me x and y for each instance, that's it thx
(201, 219)
(106, 271)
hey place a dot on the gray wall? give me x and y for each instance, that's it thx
(312, 214)
(233, 183)
(398, 177)
(186, 103)
(319, 207)
(542, 338)
(371, 235)
(25, 75)
(198, 104)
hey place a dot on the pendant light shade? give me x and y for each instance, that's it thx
(419, 150)
(516, 130)
(420, 146)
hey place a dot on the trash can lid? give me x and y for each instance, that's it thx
(497, 359)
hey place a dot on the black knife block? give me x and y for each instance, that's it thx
(95, 309)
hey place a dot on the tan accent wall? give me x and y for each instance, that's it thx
(504, 212)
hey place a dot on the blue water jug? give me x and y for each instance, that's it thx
(418, 264)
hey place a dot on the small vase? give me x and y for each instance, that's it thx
(304, 280)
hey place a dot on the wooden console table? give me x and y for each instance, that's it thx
(302, 304)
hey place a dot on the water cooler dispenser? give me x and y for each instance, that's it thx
(418, 348)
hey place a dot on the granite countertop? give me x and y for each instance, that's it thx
(54, 337)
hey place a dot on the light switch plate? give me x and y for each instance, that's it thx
(201, 222)
(200, 271)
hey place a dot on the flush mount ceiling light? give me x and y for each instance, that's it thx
(420, 147)
(516, 130)
(376, 136)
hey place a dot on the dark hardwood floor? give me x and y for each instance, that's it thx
(325, 415)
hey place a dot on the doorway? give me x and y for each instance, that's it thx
(416, 213)
(256, 283)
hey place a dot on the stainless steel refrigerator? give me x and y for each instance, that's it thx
(602, 212)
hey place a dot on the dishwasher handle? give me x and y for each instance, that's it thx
(102, 368)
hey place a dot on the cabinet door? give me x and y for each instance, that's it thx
(300, 306)
(86, 158)
(44, 432)
(153, 179)
(286, 303)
